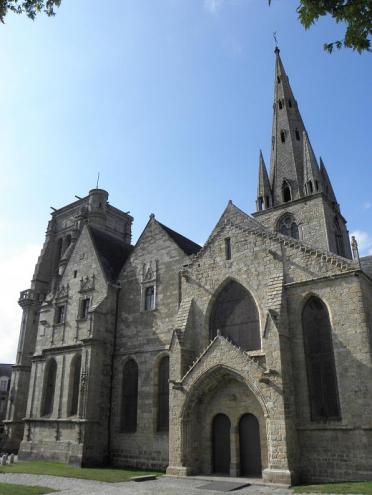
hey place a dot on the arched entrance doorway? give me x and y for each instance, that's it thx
(250, 447)
(221, 444)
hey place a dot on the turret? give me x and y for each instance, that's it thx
(264, 196)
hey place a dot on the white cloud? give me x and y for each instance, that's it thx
(15, 275)
(213, 6)
(364, 241)
(367, 205)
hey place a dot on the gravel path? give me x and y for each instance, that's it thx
(162, 486)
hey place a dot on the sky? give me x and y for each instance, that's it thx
(170, 100)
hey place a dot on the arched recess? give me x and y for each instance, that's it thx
(129, 398)
(220, 390)
(320, 362)
(234, 315)
(287, 225)
(49, 386)
(74, 385)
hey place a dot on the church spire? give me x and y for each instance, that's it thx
(312, 180)
(264, 197)
(287, 155)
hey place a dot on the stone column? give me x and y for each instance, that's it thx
(235, 452)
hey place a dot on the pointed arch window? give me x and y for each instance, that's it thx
(235, 316)
(280, 103)
(282, 136)
(163, 395)
(74, 385)
(287, 226)
(320, 362)
(286, 192)
(340, 249)
(50, 374)
(129, 397)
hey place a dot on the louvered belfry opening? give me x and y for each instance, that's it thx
(235, 316)
(320, 362)
(129, 397)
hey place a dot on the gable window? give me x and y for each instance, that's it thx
(235, 316)
(320, 362)
(84, 308)
(288, 226)
(163, 395)
(149, 298)
(228, 248)
(129, 397)
(60, 314)
(49, 387)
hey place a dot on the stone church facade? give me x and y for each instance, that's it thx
(249, 356)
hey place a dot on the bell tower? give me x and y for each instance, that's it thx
(297, 198)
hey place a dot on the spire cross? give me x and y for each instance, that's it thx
(275, 36)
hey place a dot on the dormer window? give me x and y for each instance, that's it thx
(84, 308)
(60, 314)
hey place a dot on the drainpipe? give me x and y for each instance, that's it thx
(117, 287)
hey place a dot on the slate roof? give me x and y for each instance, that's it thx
(187, 245)
(111, 251)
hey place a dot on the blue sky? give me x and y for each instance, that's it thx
(171, 101)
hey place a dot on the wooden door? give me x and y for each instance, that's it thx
(250, 447)
(221, 444)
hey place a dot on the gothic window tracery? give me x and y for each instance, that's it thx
(129, 397)
(288, 226)
(320, 362)
(235, 316)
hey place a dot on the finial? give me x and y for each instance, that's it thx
(152, 215)
(354, 247)
(97, 181)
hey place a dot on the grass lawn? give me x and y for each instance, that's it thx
(7, 489)
(110, 475)
(360, 487)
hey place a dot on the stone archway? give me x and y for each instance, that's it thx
(220, 393)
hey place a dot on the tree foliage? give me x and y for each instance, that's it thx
(29, 7)
(355, 14)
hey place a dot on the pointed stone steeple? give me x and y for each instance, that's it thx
(327, 185)
(286, 163)
(264, 196)
(312, 180)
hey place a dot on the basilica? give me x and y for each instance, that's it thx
(248, 356)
